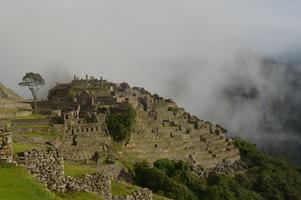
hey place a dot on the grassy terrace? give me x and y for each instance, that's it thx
(21, 147)
(41, 134)
(75, 169)
(6, 110)
(17, 184)
(120, 188)
(32, 117)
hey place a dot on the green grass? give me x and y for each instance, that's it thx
(75, 169)
(33, 126)
(120, 188)
(40, 134)
(16, 183)
(32, 117)
(4, 122)
(80, 196)
(157, 197)
(6, 110)
(117, 146)
(21, 147)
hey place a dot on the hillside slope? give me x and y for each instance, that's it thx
(162, 129)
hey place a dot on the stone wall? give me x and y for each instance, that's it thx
(99, 183)
(84, 141)
(6, 151)
(47, 167)
(144, 194)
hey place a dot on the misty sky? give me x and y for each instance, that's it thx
(180, 49)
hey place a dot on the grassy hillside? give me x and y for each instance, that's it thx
(16, 183)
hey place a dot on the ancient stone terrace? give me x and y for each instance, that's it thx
(162, 130)
(166, 131)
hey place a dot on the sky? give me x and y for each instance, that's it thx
(187, 50)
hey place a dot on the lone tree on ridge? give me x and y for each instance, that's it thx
(34, 81)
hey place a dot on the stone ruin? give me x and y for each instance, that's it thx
(163, 130)
(47, 166)
(6, 151)
(83, 138)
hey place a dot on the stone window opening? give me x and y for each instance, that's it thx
(74, 142)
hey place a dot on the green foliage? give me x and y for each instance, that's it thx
(272, 178)
(17, 183)
(159, 181)
(120, 124)
(266, 178)
(33, 81)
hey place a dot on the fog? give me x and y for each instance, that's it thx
(208, 55)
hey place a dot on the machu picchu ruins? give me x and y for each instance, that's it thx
(150, 100)
(162, 130)
(74, 131)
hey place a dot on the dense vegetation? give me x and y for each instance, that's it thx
(120, 124)
(266, 178)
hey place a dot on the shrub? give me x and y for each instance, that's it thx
(266, 178)
(120, 124)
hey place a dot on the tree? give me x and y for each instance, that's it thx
(34, 81)
(120, 124)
